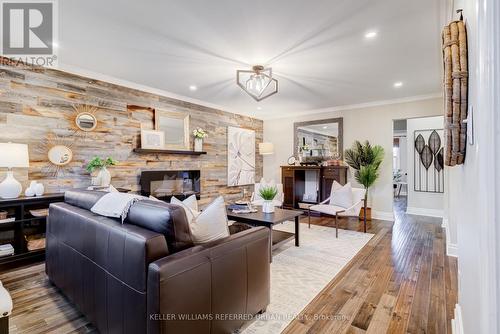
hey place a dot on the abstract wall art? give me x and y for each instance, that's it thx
(240, 156)
(428, 161)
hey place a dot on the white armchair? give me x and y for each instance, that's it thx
(328, 209)
(5, 309)
(258, 201)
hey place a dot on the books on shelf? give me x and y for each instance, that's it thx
(7, 220)
(6, 250)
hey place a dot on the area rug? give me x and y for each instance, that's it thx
(298, 274)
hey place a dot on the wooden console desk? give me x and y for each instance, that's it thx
(294, 182)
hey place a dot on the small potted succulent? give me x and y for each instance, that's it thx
(100, 174)
(268, 193)
(198, 134)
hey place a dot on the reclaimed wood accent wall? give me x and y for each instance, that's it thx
(36, 103)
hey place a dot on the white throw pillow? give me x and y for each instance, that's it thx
(190, 206)
(342, 196)
(211, 224)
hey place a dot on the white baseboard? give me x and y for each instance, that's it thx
(457, 326)
(383, 215)
(451, 248)
(424, 212)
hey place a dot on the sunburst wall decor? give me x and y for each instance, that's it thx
(58, 152)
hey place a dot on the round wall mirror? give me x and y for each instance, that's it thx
(60, 155)
(86, 121)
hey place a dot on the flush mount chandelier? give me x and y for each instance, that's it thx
(257, 82)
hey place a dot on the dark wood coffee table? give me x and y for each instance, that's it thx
(269, 220)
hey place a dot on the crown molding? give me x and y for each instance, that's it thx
(362, 105)
(148, 89)
(144, 88)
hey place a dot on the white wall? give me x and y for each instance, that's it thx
(370, 123)
(423, 203)
(473, 187)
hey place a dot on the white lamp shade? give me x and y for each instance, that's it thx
(14, 155)
(266, 148)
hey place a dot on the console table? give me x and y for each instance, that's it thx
(28, 215)
(295, 180)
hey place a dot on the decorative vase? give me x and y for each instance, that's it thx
(29, 192)
(39, 189)
(96, 178)
(198, 144)
(104, 176)
(268, 207)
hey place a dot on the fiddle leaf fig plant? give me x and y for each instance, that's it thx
(365, 160)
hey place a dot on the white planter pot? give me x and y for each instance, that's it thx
(198, 144)
(105, 177)
(268, 207)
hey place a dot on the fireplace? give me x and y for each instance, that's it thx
(163, 184)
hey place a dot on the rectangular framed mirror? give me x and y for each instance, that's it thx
(175, 126)
(317, 141)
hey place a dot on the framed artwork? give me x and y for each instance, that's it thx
(152, 139)
(175, 126)
(428, 162)
(240, 156)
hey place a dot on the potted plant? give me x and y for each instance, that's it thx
(365, 160)
(268, 193)
(100, 174)
(198, 134)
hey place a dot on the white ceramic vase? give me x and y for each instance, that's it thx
(104, 176)
(198, 144)
(39, 189)
(268, 207)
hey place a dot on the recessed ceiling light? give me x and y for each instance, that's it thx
(193, 88)
(259, 108)
(398, 84)
(371, 34)
(325, 127)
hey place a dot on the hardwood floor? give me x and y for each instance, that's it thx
(400, 282)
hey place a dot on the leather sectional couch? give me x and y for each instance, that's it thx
(146, 276)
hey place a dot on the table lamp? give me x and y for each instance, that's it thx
(266, 148)
(12, 156)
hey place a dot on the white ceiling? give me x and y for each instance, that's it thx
(316, 48)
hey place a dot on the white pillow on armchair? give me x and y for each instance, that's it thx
(341, 195)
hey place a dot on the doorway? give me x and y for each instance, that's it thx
(400, 165)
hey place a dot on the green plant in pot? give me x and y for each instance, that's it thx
(268, 193)
(97, 167)
(365, 160)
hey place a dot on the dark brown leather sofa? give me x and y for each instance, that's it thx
(147, 276)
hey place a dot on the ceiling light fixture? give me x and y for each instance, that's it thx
(257, 82)
(398, 84)
(325, 127)
(193, 88)
(259, 108)
(371, 34)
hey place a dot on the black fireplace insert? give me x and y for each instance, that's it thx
(163, 184)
